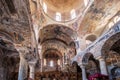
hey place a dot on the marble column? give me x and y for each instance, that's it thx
(23, 65)
(23, 68)
(32, 70)
(103, 67)
(83, 72)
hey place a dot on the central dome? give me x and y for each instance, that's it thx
(65, 10)
(63, 5)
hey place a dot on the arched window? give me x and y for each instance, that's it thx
(58, 16)
(45, 63)
(51, 63)
(86, 2)
(45, 7)
(73, 14)
(58, 61)
(110, 24)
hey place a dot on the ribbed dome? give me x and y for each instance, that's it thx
(63, 5)
(64, 8)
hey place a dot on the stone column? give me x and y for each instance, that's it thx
(32, 70)
(83, 72)
(23, 68)
(103, 67)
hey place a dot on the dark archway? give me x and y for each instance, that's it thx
(109, 43)
(92, 65)
(78, 70)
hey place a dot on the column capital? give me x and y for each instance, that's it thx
(103, 67)
(81, 65)
(100, 58)
(32, 63)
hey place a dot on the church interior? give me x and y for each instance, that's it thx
(59, 39)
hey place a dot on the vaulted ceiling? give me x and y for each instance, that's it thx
(98, 16)
(14, 20)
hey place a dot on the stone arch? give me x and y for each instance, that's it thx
(52, 39)
(12, 37)
(108, 44)
(54, 45)
(111, 39)
(53, 51)
(7, 40)
(6, 35)
(86, 57)
(58, 29)
(92, 65)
